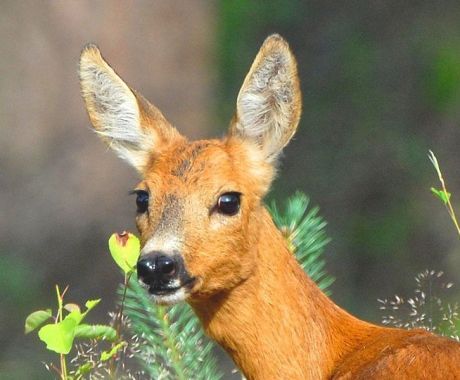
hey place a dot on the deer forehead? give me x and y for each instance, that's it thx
(202, 166)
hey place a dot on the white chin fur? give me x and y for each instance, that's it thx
(170, 299)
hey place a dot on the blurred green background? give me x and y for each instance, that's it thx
(381, 86)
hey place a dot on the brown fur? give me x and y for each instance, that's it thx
(251, 295)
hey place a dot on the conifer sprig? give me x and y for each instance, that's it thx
(175, 346)
(304, 231)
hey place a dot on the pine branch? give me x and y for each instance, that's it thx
(175, 345)
(304, 231)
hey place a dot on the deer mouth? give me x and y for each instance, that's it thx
(163, 289)
(169, 294)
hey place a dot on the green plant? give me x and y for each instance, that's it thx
(175, 346)
(304, 232)
(427, 308)
(59, 336)
(67, 326)
(442, 193)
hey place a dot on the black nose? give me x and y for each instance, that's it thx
(156, 269)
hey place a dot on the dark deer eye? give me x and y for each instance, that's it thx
(229, 203)
(142, 201)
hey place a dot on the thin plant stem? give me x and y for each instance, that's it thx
(55, 369)
(448, 204)
(59, 318)
(118, 321)
(120, 314)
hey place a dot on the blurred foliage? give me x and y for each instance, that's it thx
(237, 34)
(12, 276)
(21, 290)
(443, 80)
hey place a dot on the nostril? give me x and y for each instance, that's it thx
(146, 269)
(166, 265)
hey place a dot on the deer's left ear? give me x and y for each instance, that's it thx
(269, 102)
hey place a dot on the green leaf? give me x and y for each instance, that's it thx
(84, 369)
(106, 355)
(36, 319)
(76, 316)
(85, 331)
(59, 336)
(125, 250)
(444, 196)
(71, 307)
(91, 304)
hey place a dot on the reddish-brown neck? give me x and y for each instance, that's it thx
(278, 324)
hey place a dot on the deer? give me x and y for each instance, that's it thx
(207, 238)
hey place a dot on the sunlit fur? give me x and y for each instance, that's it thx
(250, 293)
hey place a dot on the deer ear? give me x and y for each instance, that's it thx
(269, 102)
(126, 121)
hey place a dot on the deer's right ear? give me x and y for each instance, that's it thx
(126, 121)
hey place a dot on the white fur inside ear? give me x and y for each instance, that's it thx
(114, 111)
(265, 103)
